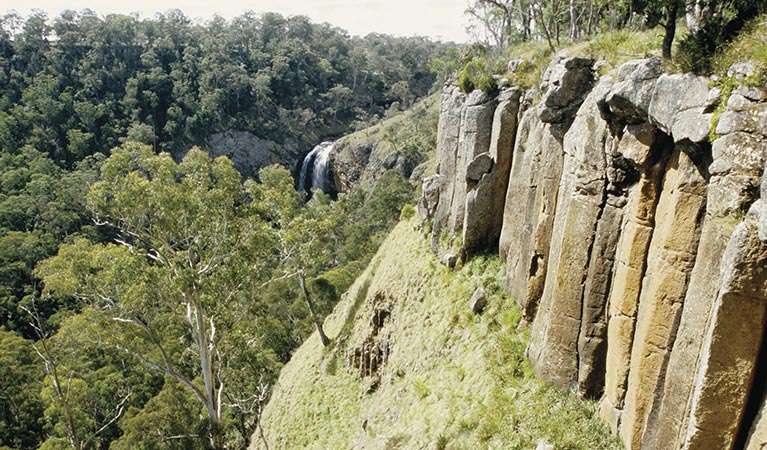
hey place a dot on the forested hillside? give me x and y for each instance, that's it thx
(104, 352)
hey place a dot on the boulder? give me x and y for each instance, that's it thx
(478, 301)
(543, 445)
(636, 143)
(480, 165)
(427, 204)
(681, 107)
(566, 82)
(742, 70)
(450, 260)
(629, 98)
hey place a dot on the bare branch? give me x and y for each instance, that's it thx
(167, 371)
(118, 413)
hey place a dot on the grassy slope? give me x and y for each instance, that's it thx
(411, 132)
(453, 380)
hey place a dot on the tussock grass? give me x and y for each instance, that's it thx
(749, 45)
(620, 46)
(454, 379)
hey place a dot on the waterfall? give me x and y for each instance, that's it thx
(314, 169)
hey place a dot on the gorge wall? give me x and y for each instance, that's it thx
(635, 245)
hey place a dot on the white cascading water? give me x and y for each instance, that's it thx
(314, 169)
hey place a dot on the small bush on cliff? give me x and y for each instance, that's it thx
(477, 75)
(465, 83)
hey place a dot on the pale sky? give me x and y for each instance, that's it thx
(438, 19)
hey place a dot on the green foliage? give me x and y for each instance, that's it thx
(722, 23)
(20, 404)
(371, 216)
(175, 295)
(88, 83)
(749, 45)
(465, 83)
(477, 75)
(40, 205)
(619, 46)
(407, 212)
(166, 422)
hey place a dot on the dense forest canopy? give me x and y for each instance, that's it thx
(80, 83)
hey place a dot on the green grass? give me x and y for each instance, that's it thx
(620, 46)
(453, 380)
(750, 45)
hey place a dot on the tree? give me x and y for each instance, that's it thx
(304, 232)
(663, 13)
(180, 276)
(20, 404)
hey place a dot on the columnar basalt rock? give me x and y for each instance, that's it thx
(732, 338)
(738, 159)
(448, 132)
(629, 270)
(670, 259)
(474, 140)
(553, 346)
(487, 187)
(534, 183)
(634, 246)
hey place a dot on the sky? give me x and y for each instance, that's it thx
(438, 19)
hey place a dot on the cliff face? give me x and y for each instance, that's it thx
(249, 153)
(635, 246)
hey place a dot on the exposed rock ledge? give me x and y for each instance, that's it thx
(249, 153)
(637, 248)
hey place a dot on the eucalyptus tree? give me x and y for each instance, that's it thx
(305, 243)
(174, 289)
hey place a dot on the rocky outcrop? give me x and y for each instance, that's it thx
(249, 153)
(536, 173)
(361, 158)
(556, 330)
(487, 178)
(635, 246)
(737, 165)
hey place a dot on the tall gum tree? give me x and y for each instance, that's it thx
(190, 256)
(304, 232)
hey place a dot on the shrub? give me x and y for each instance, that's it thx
(407, 212)
(465, 83)
(477, 75)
